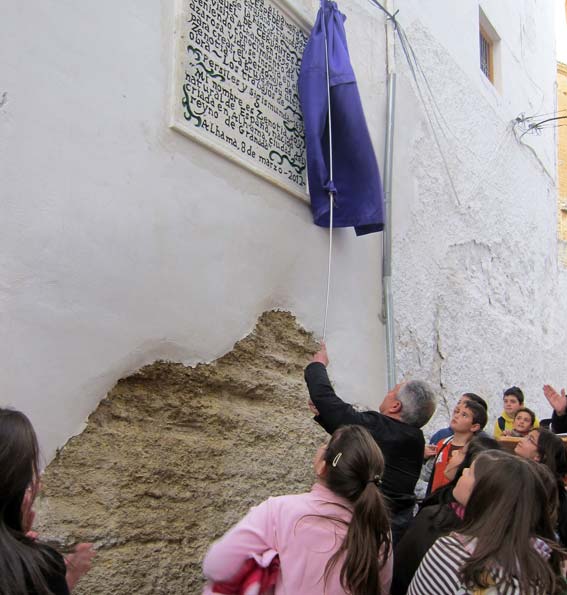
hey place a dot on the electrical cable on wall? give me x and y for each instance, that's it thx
(435, 116)
(537, 116)
(521, 126)
(433, 112)
(538, 126)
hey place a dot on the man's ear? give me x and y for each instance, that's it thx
(537, 458)
(475, 428)
(396, 406)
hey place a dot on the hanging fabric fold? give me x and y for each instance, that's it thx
(353, 179)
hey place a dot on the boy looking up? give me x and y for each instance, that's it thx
(431, 448)
(468, 419)
(523, 423)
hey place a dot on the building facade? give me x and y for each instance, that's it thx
(126, 242)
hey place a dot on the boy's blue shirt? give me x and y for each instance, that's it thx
(440, 435)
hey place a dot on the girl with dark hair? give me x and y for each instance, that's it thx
(544, 447)
(27, 567)
(439, 515)
(331, 540)
(506, 545)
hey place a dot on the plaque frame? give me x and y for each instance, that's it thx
(209, 141)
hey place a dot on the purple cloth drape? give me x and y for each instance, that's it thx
(356, 179)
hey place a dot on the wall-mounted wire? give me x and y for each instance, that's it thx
(431, 108)
(435, 115)
(536, 127)
(537, 116)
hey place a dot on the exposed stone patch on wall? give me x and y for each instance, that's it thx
(174, 455)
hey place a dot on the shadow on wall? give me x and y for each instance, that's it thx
(175, 455)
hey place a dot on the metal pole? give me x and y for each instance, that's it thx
(387, 297)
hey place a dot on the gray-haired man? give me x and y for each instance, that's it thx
(396, 429)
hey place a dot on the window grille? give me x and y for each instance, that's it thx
(486, 56)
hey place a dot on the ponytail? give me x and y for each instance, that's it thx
(367, 544)
(356, 477)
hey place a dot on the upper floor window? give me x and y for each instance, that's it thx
(486, 56)
(489, 47)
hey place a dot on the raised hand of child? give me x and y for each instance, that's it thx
(556, 400)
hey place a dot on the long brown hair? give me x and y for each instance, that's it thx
(24, 563)
(552, 453)
(553, 456)
(505, 513)
(354, 467)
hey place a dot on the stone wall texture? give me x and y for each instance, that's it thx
(173, 456)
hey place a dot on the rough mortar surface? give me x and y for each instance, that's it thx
(562, 164)
(478, 293)
(174, 456)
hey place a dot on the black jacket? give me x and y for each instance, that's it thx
(402, 445)
(430, 523)
(559, 423)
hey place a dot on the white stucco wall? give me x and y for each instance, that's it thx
(479, 295)
(124, 242)
(561, 30)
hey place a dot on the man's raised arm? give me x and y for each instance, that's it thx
(333, 412)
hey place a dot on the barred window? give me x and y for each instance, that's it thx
(486, 57)
(489, 50)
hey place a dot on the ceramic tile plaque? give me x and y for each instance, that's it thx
(235, 84)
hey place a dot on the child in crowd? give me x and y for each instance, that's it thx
(469, 418)
(545, 448)
(513, 401)
(431, 448)
(26, 564)
(493, 552)
(334, 539)
(524, 421)
(439, 515)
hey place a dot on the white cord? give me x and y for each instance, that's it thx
(330, 177)
(329, 268)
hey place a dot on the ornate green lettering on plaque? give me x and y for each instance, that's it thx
(235, 87)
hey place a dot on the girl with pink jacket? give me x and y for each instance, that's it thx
(332, 540)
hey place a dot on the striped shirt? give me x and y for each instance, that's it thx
(438, 573)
